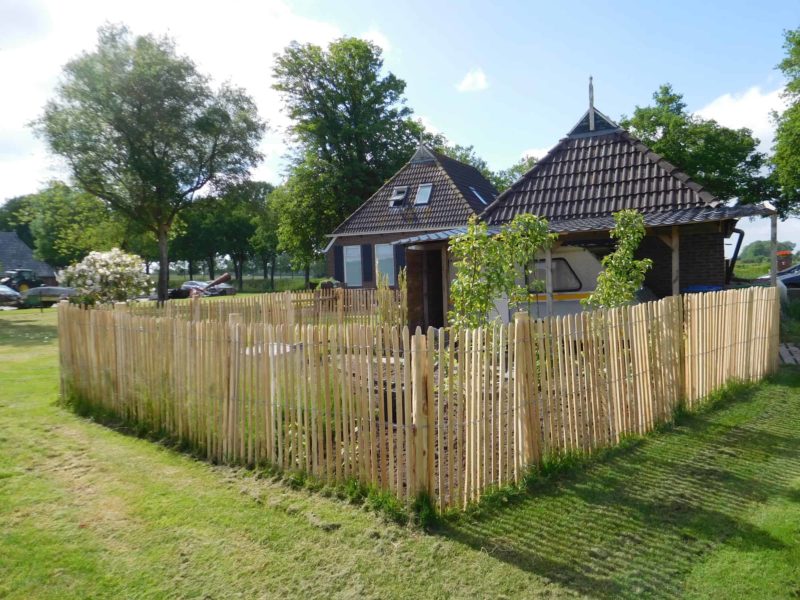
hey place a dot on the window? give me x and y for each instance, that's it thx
(564, 278)
(384, 261)
(398, 195)
(352, 266)
(477, 195)
(423, 194)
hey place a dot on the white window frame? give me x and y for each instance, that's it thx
(398, 196)
(429, 188)
(378, 270)
(356, 250)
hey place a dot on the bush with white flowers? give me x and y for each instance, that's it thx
(113, 276)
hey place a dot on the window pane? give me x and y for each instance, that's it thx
(564, 278)
(384, 258)
(423, 193)
(352, 266)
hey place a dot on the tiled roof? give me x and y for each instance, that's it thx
(684, 216)
(451, 203)
(596, 175)
(15, 254)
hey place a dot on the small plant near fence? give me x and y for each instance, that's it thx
(622, 275)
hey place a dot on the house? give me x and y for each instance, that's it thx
(16, 254)
(596, 170)
(429, 194)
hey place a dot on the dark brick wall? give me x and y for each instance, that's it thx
(702, 260)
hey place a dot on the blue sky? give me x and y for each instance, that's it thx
(526, 64)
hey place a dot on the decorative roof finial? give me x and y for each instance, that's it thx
(591, 104)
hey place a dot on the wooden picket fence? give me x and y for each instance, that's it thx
(448, 413)
(313, 307)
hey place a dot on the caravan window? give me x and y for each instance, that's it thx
(564, 277)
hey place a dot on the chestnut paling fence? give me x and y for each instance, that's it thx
(315, 307)
(448, 413)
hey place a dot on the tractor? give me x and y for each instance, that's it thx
(21, 279)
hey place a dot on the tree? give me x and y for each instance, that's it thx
(235, 220)
(12, 218)
(488, 267)
(725, 161)
(503, 179)
(622, 274)
(786, 158)
(142, 129)
(67, 223)
(761, 250)
(350, 130)
(265, 237)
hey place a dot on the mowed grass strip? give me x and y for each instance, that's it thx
(710, 508)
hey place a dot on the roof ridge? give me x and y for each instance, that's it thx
(447, 174)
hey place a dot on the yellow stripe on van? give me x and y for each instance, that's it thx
(561, 296)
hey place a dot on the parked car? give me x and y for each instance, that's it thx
(46, 295)
(8, 296)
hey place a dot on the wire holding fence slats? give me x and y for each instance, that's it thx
(451, 413)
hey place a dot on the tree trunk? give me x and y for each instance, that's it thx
(191, 269)
(163, 262)
(272, 274)
(211, 267)
(238, 268)
(307, 275)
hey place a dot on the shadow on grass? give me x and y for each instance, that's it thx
(26, 331)
(636, 523)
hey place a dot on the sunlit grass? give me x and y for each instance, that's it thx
(709, 508)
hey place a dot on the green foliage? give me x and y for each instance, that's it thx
(504, 178)
(725, 161)
(760, 250)
(488, 267)
(141, 129)
(786, 158)
(67, 224)
(622, 273)
(351, 130)
(12, 218)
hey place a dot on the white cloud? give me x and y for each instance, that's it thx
(474, 81)
(236, 44)
(751, 108)
(377, 37)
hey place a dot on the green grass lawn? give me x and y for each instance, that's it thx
(708, 509)
(751, 270)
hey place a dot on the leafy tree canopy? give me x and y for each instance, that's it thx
(786, 159)
(351, 132)
(67, 223)
(725, 161)
(142, 129)
(760, 250)
(12, 219)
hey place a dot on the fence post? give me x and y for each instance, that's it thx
(340, 304)
(195, 308)
(231, 369)
(419, 395)
(525, 369)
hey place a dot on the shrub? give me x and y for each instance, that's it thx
(112, 276)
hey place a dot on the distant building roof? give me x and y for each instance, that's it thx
(596, 172)
(15, 254)
(458, 192)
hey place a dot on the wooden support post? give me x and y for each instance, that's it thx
(676, 261)
(548, 280)
(773, 249)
